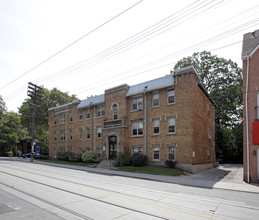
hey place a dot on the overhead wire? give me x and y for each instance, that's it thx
(71, 44)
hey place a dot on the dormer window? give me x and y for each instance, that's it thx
(115, 111)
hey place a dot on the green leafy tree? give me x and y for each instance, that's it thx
(51, 98)
(222, 79)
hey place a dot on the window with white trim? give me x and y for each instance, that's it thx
(80, 114)
(137, 150)
(155, 101)
(55, 120)
(156, 152)
(62, 135)
(137, 128)
(156, 125)
(115, 111)
(170, 96)
(100, 110)
(63, 118)
(71, 117)
(137, 103)
(171, 125)
(99, 152)
(208, 107)
(88, 113)
(70, 135)
(88, 134)
(171, 153)
(80, 133)
(208, 154)
(209, 136)
(55, 136)
(99, 133)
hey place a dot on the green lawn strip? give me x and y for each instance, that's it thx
(153, 170)
(67, 162)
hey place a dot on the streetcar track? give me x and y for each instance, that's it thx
(77, 194)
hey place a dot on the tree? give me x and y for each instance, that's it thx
(222, 79)
(51, 98)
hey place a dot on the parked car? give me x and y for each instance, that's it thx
(28, 155)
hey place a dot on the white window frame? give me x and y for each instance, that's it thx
(168, 125)
(62, 118)
(99, 133)
(70, 135)
(62, 136)
(138, 126)
(137, 103)
(71, 117)
(55, 137)
(208, 108)
(171, 151)
(170, 95)
(115, 108)
(88, 113)
(55, 120)
(99, 152)
(88, 133)
(155, 99)
(100, 110)
(80, 134)
(156, 125)
(209, 135)
(156, 149)
(80, 114)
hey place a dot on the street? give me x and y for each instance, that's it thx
(36, 191)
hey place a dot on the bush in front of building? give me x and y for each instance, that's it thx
(139, 160)
(62, 155)
(42, 157)
(73, 157)
(89, 157)
(170, 163)
(123, 159)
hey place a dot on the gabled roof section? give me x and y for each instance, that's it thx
(92, 101)
(250, 44)
(151, 85)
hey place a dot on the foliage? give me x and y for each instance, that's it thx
(74, 157)
(170, 163)
(222, 79)
(51, 98)
(62, 155)
(139, 159)
(123, 159)
(11, 131)
(89, 157)
(152, 170)
(41, 157)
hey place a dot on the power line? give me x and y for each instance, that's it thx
(71, 44)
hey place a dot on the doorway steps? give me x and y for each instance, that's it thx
(106, 164)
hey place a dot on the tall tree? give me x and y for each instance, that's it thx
(222, 79)
(51, 98)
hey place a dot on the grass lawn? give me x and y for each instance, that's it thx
(153, 170)
(67, 162)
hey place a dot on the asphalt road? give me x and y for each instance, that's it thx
(45, 192)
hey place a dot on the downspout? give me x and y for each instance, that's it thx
(91, 111)
(146, 131)
(247, 139)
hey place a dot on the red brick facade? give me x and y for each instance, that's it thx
(251, 97)
(172, 122)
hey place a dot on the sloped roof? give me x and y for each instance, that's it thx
(151, 85)
(93, 101)
(250, 43)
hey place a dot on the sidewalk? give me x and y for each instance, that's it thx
(228, 177)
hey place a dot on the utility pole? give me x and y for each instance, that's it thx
(35, 92)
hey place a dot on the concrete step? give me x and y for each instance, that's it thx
(106, 164)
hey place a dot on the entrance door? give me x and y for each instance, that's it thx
(112, 147)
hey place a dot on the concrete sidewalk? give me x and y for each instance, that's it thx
(227, 176)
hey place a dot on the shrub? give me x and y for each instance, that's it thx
(43, 157)
(170, 163)
(123, 159)
(62, 155)
(74, 157)
(139, 160)
(89, 157)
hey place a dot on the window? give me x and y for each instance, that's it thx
(62, 136)
(55, 120)
(137, 149)
(100, 110)
(155, 99)
(137, 103)
(156, 153)
(80, 134)
(62, 119)
(99, 132)
(115, 111)
(80, 114)
(99, 153)
(171, 125)
(170, 95)
(137, 128)
(171, 153)
(156, 126)
(88, 113)
(208, 107)
(70, 149)
(70, 135)
(80, 150)
(55, 136)
(70, 117)
(208, 154)
(209, 136)
(88, 134)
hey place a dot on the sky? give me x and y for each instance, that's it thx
(84, 47)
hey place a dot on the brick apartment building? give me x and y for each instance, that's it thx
(250, 57)
(171, 117)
